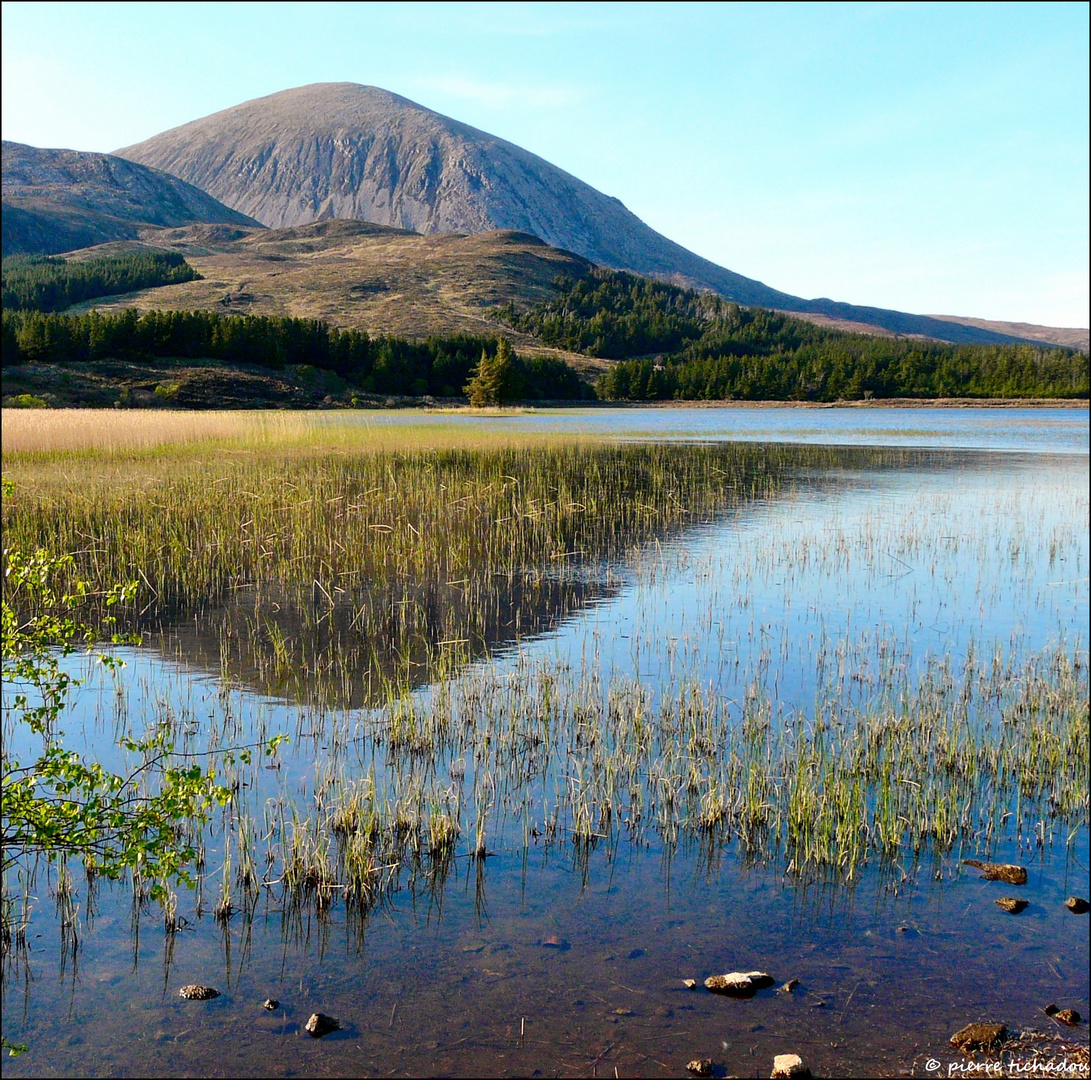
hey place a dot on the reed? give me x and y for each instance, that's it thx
(383, 592)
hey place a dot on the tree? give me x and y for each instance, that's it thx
(495, 379)
(61, 805)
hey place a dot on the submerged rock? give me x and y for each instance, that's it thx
(790, 985)
(739, 983)
(320, 1024)
(196, 992)
(789, 1065)
(700, 1066)
(1077, 905)
(1011, 905)
(1065, 1016)
(270, 1004)
(978, 1037)
(990, 871)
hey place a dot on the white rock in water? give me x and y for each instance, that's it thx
(740, 983)
(734, 982)
(320, 1024)
(760, 979)
(785, 1065)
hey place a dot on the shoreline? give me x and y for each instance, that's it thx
(727, 403)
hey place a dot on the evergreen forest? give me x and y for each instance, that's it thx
(674, 343)
(439, 366)
(51, 283)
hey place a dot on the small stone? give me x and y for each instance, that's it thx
(789, 1065)
(739, 983)
(1011, 905)
(624, 1012)
(700, 1066)
(196, 992)
(734, 983)
(1077, 905)
(270, 1004)
(320, 1024)
(790, 985)
(1067, 1016)
(1013, 875)
(554, 942)
(689, 984)
(978, 1037)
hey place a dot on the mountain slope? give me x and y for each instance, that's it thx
(340, 150)
(58, 200)
(354, 274)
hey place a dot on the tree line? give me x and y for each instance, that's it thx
(50, 283)
(440, 366)
(709, 348)
(871, 369)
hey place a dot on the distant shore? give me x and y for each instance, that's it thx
(727, 403)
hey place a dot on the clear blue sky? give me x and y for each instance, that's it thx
(932, 158)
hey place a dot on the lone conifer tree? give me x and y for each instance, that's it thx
(493, 380)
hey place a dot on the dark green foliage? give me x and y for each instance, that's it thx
(49, 283)
(857, 368)
(712, 349)
(616, 315)
(379, 365)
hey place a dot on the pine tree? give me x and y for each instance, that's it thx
(493, 380)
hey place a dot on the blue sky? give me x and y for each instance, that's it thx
(931, 158)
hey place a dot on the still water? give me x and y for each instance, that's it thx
(1022, 430)
(563, 952)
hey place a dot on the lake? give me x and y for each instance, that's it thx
(735, 690)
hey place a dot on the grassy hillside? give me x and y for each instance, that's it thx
(423, 309)
(356, 275)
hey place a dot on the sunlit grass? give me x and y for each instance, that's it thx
(335, 564)
(104, 435)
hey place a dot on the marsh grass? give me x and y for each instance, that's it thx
(350, 568)
(954, 760)
(372, 585)
(95, 434)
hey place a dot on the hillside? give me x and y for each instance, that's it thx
(340, 150)
(59, 200)
(356, 275)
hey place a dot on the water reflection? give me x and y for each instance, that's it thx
(589, 797)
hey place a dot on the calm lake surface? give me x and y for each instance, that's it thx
(899, 559)
(1061, 431)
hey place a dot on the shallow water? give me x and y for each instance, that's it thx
(564, 959)
(1027, 430)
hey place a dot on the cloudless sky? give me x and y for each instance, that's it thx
(926, 157)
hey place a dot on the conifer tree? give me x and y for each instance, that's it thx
(493, 380)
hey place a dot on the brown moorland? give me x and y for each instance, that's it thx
(355, 274)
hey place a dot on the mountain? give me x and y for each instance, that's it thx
(58, 200)
(1068, 337)
(340, 150)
